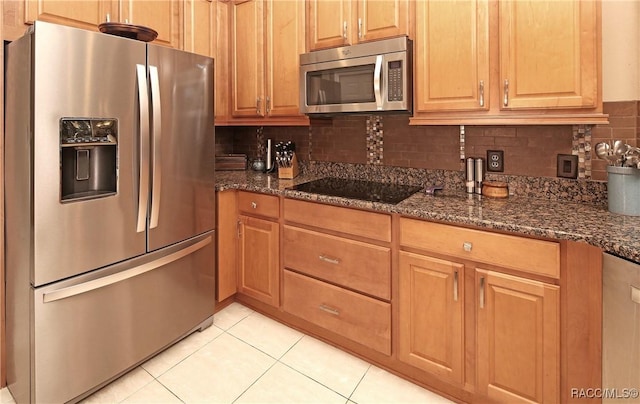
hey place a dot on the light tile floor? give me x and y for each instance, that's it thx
(246, 357)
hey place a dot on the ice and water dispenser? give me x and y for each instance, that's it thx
(88, 158)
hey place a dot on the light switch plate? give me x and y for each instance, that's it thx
(567, 166)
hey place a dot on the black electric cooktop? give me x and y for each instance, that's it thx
(358, 189)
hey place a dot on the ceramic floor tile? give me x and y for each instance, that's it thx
(230, 315)
(6, 397)
(172, 356)
(281, 384)
(269, 336)
(121, 388)
(379, 386)
(325, 364)
(219, 372)
(153, 392)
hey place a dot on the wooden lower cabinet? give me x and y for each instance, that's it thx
(227, 238)
(258, 259)
(431, 315)
(518, 339)
(357, 317)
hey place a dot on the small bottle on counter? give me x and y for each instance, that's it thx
(470, 179)
(479, 175)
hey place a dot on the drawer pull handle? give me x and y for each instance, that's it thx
(455, 286)
(330, 260)
(254, 205)
(635, 294)
(482, 292)
(329, 310)
(467, 246)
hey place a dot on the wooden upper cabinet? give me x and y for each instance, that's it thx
(247, 52)
(222, 44)
(81, 14)
(452, 56)
(200, 27)
(518, 331)
(285, 41)
(378, 19)
(333, 23)
(164, 16)
(485, 62)
(548, 54)
(267, 38)
(328, 23)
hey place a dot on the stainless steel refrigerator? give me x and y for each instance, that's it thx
(109, 207)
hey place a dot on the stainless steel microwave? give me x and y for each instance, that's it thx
(371, 77)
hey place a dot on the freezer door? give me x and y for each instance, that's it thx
(183, 146)
(90, 330)
(82, 74)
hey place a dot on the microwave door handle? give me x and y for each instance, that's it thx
(377, 78)
(143, 168)
(156, 147)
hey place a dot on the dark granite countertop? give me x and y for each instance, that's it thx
(592, 224)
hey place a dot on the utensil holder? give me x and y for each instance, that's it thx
(623, 189)
(289, 172)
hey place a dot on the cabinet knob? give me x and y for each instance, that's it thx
(467, 246)
(254, 205)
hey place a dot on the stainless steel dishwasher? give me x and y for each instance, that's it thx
(620, 330)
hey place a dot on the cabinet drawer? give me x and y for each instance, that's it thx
(361, 266)
(519, 253)
(259, 204)
(362, 319)
(376, 226)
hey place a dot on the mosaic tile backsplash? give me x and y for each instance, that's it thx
(387, 148)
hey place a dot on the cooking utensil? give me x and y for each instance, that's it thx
(619, 150)
(602, 150)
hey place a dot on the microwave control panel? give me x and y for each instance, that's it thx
(395, 81)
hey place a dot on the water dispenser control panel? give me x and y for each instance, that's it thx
(74, 131)
(89, 157)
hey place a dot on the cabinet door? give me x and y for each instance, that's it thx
(518, 339)
(285, 43)
(258, 259)
(222, 46)
(382, 19)
(548, 52)
(161, 15)
(199, 27)
(431, 315)
(452, 55)
(247, 37)
(328, 23)
(80, 14)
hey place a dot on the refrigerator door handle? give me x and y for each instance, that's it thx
(143, 183)
(75, 290)
(156, 147)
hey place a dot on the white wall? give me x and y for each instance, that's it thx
(620, 50)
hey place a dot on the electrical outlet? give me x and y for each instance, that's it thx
(495, 160)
